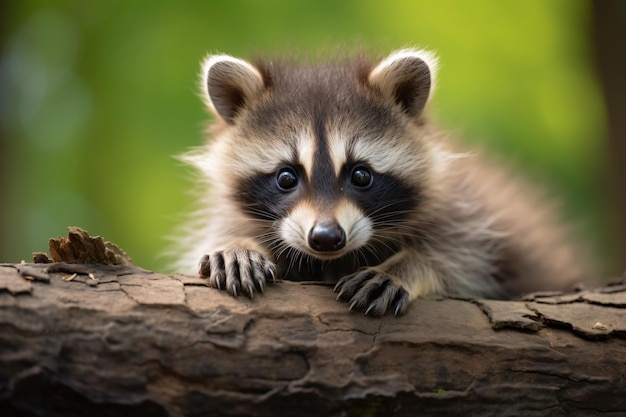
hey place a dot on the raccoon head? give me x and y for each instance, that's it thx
(325, 159)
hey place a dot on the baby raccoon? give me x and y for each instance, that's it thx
(332, 172)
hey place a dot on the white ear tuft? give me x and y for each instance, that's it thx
(407, 77)
(227, 84)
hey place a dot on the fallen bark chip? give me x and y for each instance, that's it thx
(80, 248)
(41, 258)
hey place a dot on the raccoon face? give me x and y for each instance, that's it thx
(324, 160)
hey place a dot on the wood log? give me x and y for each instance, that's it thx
(119, 340)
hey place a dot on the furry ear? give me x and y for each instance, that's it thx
(227, 84)
(407, 77)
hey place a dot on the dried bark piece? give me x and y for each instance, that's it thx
(41, 258)
(80, 248)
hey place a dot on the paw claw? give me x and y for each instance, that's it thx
(402, 303)
(250, 290)
(271, 271)
(373, 292)
(238, 271)
(397, 311)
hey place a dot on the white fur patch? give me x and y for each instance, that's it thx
(358, 228)
(338, 144)
(294, 229)
(306, 152)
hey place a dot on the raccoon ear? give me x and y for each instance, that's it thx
(227, 84)
(407, 77)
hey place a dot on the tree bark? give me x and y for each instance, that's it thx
(119, 340)
(608, 35)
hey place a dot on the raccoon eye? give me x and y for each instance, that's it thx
(286, 179)
(361, 177)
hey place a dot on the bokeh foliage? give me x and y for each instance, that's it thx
(98, 96)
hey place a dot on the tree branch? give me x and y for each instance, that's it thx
(119, 340)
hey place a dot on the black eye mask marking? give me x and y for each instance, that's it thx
(270, 196)
(380, 196)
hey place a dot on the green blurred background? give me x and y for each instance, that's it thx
(98, 96)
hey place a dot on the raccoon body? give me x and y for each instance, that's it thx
(333, 172)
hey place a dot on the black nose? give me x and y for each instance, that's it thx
(327, 237)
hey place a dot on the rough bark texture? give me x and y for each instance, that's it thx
(119, 340)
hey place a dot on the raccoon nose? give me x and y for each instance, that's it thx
(327, 237)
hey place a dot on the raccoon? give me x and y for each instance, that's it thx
(332, 171)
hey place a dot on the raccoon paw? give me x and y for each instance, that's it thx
(374, 292)
(237, 270)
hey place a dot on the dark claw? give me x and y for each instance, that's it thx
(270, 270)
(401, 302)
(349, 285)
(218, 277)
(250, 290)
(260, 285)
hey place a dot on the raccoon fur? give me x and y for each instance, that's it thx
(332, 171)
